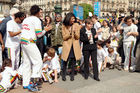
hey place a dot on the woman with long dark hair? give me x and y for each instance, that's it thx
(71, 46)
(48, 21)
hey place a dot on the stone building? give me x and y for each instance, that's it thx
(5, 6)
(107, 6)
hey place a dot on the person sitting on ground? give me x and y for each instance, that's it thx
(8, 77)
(114, 59)
(51, 66)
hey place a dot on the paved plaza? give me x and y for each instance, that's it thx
(112, 81)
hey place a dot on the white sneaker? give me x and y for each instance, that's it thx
(126, 69)
(132, 68)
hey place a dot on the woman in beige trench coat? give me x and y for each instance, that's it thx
(71, 45)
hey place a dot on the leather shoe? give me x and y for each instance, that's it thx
(97, 79)
(72, 78)
(86, 77)
(64, 78)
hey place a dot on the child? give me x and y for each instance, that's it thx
(114, 38)
(8, 76)
(51, 66)
(101, 56)
(114, 59)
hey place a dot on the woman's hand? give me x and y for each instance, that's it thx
(2, 46)
(89, 37)
(96, 36)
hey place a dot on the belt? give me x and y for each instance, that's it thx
(32, 41)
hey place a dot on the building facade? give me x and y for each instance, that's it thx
(5, 6)
(134, 8)
(125, 7)
(48, 5)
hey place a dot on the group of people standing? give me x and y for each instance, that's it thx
(38, 48)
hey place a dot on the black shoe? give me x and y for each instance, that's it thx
(64, 78)
(86, 77)
(72, 78)
(97, 79)
(119, 68)
(111, 67)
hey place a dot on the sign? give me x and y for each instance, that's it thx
(97, 8)
(78, 12)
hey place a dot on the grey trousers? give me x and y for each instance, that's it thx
(138, 57)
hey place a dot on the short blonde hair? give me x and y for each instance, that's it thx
(51, 52)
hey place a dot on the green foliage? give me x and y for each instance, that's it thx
(87, 8)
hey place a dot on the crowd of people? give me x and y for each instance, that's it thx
(34, 49)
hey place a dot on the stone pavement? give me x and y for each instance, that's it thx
(112, 81)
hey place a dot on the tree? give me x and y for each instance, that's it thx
(87, 8)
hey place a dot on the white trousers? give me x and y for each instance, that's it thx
(32, 63)
(14, 54)
(0, 57)
(46, 75)
(100, 66)
(129, 54)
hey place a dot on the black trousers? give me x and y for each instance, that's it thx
(72, 67)
(41, 46)
(121, 52)
(93, 54)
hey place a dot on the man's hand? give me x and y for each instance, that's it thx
(123, 20)
(48, 28)
(129, 33)
(44, 68)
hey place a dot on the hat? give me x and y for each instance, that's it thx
(13, 11)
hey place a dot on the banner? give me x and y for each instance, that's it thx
(78, 12)
(97, 8)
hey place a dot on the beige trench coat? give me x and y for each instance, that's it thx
(68, 40)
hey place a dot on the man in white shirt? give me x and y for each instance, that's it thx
(129, 40)
(13, 39)
(32, 61)
(3, 27)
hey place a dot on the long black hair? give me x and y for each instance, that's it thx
(67, 19)
(46, 19)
